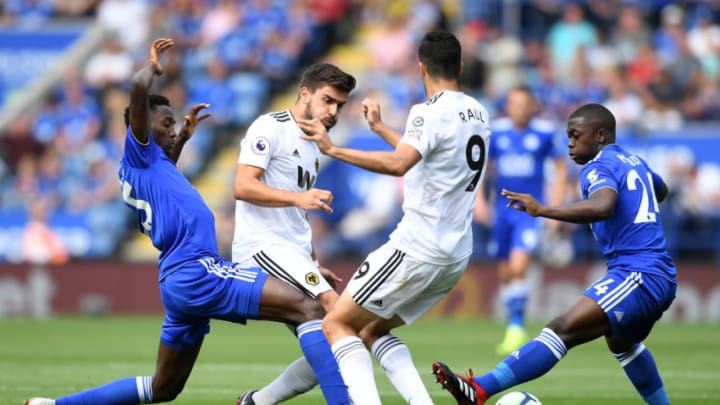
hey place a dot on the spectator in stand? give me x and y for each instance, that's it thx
(566, 37)
(40, 245)
(624, 103)
(118, 15)
(391, 45)
(666, 38)
(111, 66)
(22, 187)
(79, 114)
(685, 69)
(630, 34)
(704, 40)
(19, 142)
(220, 20)
(51, 180)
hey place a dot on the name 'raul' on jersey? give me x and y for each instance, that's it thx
(451, 132)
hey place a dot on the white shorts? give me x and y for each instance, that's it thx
(390, 283)
(291, 266)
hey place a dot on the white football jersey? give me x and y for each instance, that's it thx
(273, 144)
(452, 133)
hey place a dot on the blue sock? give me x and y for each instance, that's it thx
(530, 361)
(318, 354)
(640, 368)
(128, 391)
(515, 299)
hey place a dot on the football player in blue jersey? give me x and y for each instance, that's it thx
(620, 202)
(522, 144)
(196, 284)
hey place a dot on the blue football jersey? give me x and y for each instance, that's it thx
(632, 238)
(169, 209)
(520, 156)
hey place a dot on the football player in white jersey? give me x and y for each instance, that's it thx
(442, 155)
(273, 187)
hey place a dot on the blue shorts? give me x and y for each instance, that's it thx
(208, 289)
(633, 301)
(513, 232)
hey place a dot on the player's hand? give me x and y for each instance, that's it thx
(316, 131)
(523, 202)
(315, 199)
(192, 118)
(158, 47)
(331, 277)
(371, 111)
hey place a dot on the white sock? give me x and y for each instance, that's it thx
(298, 378)
(394, 357)
(356, 367)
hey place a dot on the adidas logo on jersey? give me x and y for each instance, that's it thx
(296, 153)
(377, 303)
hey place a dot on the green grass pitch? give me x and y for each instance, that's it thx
(66, 354)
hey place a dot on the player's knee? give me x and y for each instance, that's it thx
(166, 391)
(310, 309)
(329, 326)
(327, 300)
(561, 328)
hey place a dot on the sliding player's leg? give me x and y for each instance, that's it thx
(279, 299)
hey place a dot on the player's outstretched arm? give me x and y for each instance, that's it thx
(395, 163)
(192, 118)
(599, 206)
(140, 88)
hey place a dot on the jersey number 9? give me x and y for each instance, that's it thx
(475, 160)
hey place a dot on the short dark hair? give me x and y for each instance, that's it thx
(154, 100)
(322, 74)
(441, 54)
(599, 116)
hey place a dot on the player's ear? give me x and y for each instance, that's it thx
(304, 94)
(602, 136)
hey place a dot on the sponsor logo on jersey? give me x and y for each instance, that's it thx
(260, 146)
(312, 278)
(418, 121)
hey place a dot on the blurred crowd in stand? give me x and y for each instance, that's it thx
(234, 55)
(655, 64)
